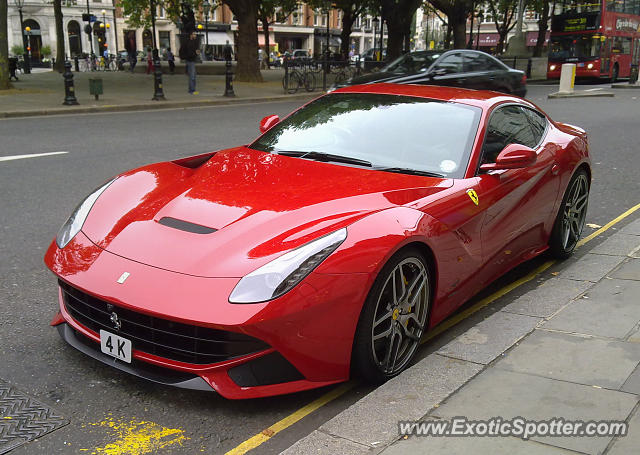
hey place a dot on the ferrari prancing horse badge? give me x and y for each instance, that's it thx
(474, 196)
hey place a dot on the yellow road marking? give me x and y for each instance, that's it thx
(274, 429)
(277, 427)
(138, 437)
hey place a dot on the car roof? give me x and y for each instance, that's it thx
(480, 98)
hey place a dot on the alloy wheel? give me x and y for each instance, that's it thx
(575, 211)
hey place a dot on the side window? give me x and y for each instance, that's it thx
(477, 62)
(451, 63)
(507, 125)
(538, 124)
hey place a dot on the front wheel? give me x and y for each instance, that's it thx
(571, 216)
(393, 318)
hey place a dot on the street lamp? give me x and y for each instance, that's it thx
(104, 25)
(27, 65)
(206, 7)
(375, 21)
(479, 16)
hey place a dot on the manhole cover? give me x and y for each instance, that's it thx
(22, 418)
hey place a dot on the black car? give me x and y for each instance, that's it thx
(456, 68)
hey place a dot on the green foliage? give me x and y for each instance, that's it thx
(45, 51)
(17, 49)
(140, 15)
(278, 9)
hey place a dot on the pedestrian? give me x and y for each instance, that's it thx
(259, 58)
(149, 60)
(133, 59)
(189, 52)
(172, 61)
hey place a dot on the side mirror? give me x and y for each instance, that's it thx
(267, 122)
(438, 72)
(513, 156)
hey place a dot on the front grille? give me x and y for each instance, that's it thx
(161, 337)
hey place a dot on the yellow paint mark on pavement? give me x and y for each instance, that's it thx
(274, 429)
(277, 427)
(138, 437)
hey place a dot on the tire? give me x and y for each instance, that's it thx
(294, 82)
(309, 82)
(393, 318)
(614, 73)
(571, 216)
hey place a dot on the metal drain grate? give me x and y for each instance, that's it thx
(22, 418)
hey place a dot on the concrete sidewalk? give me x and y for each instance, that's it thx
(569, 348)
(42, 93)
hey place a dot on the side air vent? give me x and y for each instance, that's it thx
(185, 226)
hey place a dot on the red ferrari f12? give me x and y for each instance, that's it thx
(327, 247)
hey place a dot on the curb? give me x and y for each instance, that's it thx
(370, 425)
(625, 86)
(580, 94)
(157, 105)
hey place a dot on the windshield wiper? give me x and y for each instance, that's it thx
(404, 170)
(325, 157)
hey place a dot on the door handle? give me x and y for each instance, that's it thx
(555, 169)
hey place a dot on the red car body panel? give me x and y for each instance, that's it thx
(263, 205)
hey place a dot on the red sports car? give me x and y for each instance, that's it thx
(326, 247)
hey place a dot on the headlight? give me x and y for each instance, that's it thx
(280, 275)
(73, 225)
(552, 67)
(590, 66)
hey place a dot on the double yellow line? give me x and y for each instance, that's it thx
(298, 415)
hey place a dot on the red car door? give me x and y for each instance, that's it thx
(518, 202)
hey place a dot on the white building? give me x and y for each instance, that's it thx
(38, 16)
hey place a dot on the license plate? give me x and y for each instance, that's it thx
(580, 65)
(115, 346)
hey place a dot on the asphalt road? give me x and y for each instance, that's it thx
(105, 406)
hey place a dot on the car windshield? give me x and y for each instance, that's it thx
(388, 131)
(411, 63)
(574, 46)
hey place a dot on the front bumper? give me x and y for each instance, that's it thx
(310, 328)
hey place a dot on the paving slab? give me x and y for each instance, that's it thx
(632, 228)
(629, 444)
(632, 384)
(629, 270)
(610, 309)
(373, 421)
(490, 338)
(617, 245)
(591, 267)
(507, 394)
(471, 445)
(548, 298)
(323, 443)
(589, 361)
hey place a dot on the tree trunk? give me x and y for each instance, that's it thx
(265, 29)
(347, 22)
(60, 52)
(4, 48)
(398, 14)
(459, 28)
(542, 29)
(247, 68)
(447, 39)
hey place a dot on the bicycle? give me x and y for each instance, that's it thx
(295, 79)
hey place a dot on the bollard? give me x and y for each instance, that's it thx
(286, 75)
(69, 90)
(228, 90)
(567, 77)
(528, 73)
(77, 63)
(158, 93)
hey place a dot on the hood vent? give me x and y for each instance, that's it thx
(185, 226)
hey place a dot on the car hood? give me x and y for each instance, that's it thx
(247, 207)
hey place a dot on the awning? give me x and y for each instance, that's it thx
(486, 39)
(272, 40)
(532, 38)
(218, 38)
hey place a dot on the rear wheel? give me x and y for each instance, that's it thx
(571, 216)
(394, 317)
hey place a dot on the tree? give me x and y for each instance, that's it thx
(542, 8)
(60, 52)
(457, 12)
(246, 12)
(278, 10)
(503, 13)
(398, 15)
(5, 84)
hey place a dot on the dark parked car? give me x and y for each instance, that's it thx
(455, 68)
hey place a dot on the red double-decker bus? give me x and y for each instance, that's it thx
(601, 37)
